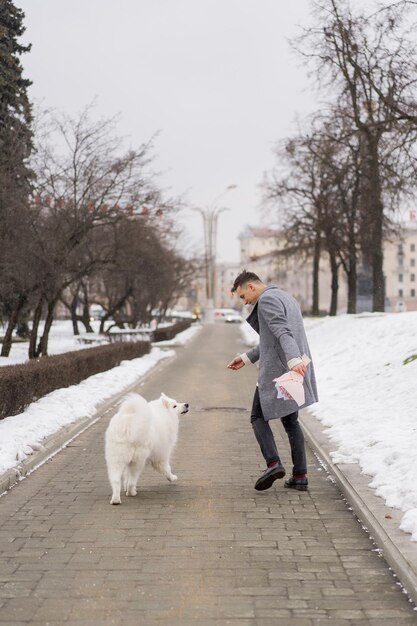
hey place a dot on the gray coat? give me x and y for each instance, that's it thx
(277, 319)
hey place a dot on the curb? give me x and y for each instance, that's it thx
(60, 439)
(396, 546)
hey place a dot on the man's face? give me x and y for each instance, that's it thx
(247, 293)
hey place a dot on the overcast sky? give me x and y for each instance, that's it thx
(216, 78)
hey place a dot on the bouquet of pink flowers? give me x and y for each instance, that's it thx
(290, 386)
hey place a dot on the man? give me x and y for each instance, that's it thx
(277, 318)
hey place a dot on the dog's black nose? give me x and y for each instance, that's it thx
(187, 406)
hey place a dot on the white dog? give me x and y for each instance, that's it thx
(141, 432)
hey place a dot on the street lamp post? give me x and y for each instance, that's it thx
(210, 217)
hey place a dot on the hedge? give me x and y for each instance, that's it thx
(22, 384)
(169, 332)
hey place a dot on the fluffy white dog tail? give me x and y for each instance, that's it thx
(134, 417)
(133, 403)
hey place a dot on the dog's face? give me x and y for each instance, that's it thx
(178, 407)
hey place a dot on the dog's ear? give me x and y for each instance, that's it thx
(165, 400)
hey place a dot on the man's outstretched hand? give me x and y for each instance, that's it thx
(236, 364)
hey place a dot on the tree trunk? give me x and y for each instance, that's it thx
(74, 317)
(113, 310)
(334, 284)
(352, 274)
(352, 288)
(378, 296)
(34, 332)
(102, 322)
(376, 208)
(7, 341)
(134, 315)
(85, 318)
(43, 343)
(315, 310)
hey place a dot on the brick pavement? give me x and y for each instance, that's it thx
(206, 550)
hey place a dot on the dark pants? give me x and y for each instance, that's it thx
(265, 437)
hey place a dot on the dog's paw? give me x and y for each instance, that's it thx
(131, 492)
(172, 478)
(115, 500)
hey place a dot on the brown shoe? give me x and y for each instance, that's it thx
(269, 476)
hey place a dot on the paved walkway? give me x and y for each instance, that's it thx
(206, 550)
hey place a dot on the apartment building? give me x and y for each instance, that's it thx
(400, 268)
(225, 276)
(263, 251)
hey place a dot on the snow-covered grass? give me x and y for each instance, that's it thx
(366, 367)
(62, 339)
(21, 434)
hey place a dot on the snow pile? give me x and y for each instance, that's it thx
(21, 434)
(366, 367)
(62, 339)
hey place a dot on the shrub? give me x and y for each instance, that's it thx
(165, 334)
(22, 384)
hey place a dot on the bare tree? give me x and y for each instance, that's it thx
(75, 296)
(339, 155)
(369, 62)
(145, 276)
(294, 189)
(317, 188)
(84, 182)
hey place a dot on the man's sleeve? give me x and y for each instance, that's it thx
(275, 316)
(252, 355)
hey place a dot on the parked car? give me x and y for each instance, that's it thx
(234, 318)
(222, 314)
(96, 311)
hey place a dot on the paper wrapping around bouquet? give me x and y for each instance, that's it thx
(290, 386)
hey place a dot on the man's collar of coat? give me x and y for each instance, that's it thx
(266, 289)
(252, 318)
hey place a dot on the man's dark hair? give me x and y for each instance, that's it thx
(243, 278)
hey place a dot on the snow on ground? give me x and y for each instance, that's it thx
(62, 339)
(21, 434)
(366, 367)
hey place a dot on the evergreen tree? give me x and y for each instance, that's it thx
(15, 113)
(15, 173)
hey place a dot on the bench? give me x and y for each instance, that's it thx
(130, 334)
(90, 339)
